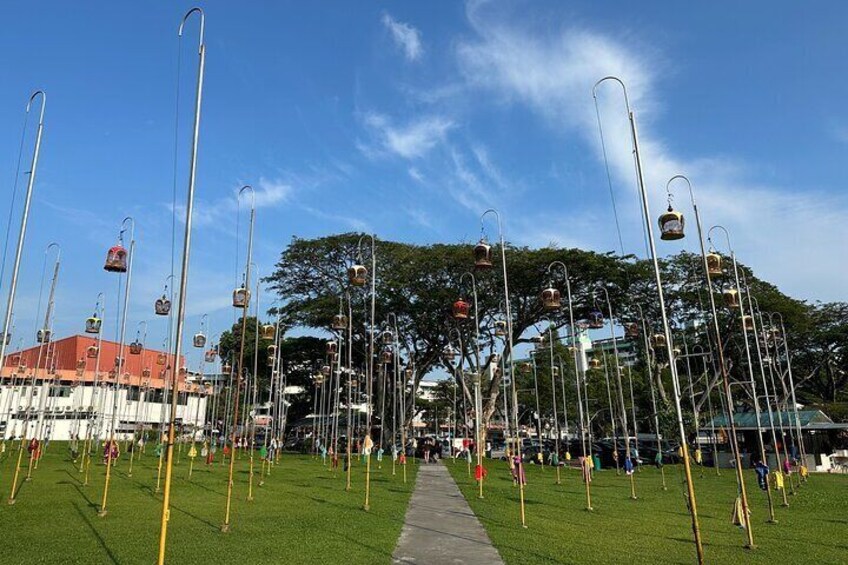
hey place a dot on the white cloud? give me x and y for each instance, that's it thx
(410, 141)
(415, 174)
(405, 36)
(553, 74)
(268, 193)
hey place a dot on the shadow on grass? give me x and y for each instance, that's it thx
(85, 518)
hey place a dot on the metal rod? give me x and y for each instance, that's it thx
(181, 298)
(692, 501)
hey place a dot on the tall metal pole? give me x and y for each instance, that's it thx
(511, 362)
(766, 396)
(583, 437)
(690, 487)
(751, 380)
(119, 363)
(725, 377)
(369, 386)
(620, 388)
(181, 298)
(785, 339)
(13, 287)
(478, 376)
(239, 375)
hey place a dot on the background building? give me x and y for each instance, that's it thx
(67, 387)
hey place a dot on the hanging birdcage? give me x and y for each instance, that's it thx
(551, 300)
(241, 297)
(357, 275)
(226, 368)
(555, 371)
(43, 336)
(500, 328)
(199, 340)
(460, 309)
(748, 322)
(482, 256)
(449, 352)
(80, 367)
(269, 331)
(594, 363)
(116, 259)
(671, 224)
(209, 356)
(145, 373)
(631, 330)
(162, 306)
(595, 320)
(387, 337)
(92, 325)
(161, 359)
(332, 348)
(731, 297)
(409, 373)
(271, 351)
(270, 361)
(339, 322)
(91, 351)
(658, 341)
(386, 356)
(714, 264)
(119, 362)
(136, 347)
(325, 370)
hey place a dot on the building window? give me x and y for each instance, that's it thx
(59, 391)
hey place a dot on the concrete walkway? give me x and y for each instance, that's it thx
(440, 528)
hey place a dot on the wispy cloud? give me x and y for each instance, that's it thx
(405, 36)
(269, 193)
(412, 140)
(553, 73)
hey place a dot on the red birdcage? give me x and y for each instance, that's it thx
(460, 309)
(116, 259)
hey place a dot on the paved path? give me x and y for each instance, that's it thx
(440, 528)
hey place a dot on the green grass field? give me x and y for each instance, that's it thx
(655, 528)
(301, 515)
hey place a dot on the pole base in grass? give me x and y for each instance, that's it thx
(28, 479)
(366, 507)
(524, 526)
(250, 499)
(772, 522)
(785, 504)
(103, 513)
(750, 546)
(225, 528)
(590, 509)
(12, 501)
(261, 483)
(634, 497)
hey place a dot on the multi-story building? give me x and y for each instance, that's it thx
(71, 387)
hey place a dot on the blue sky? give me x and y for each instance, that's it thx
(409, 119)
